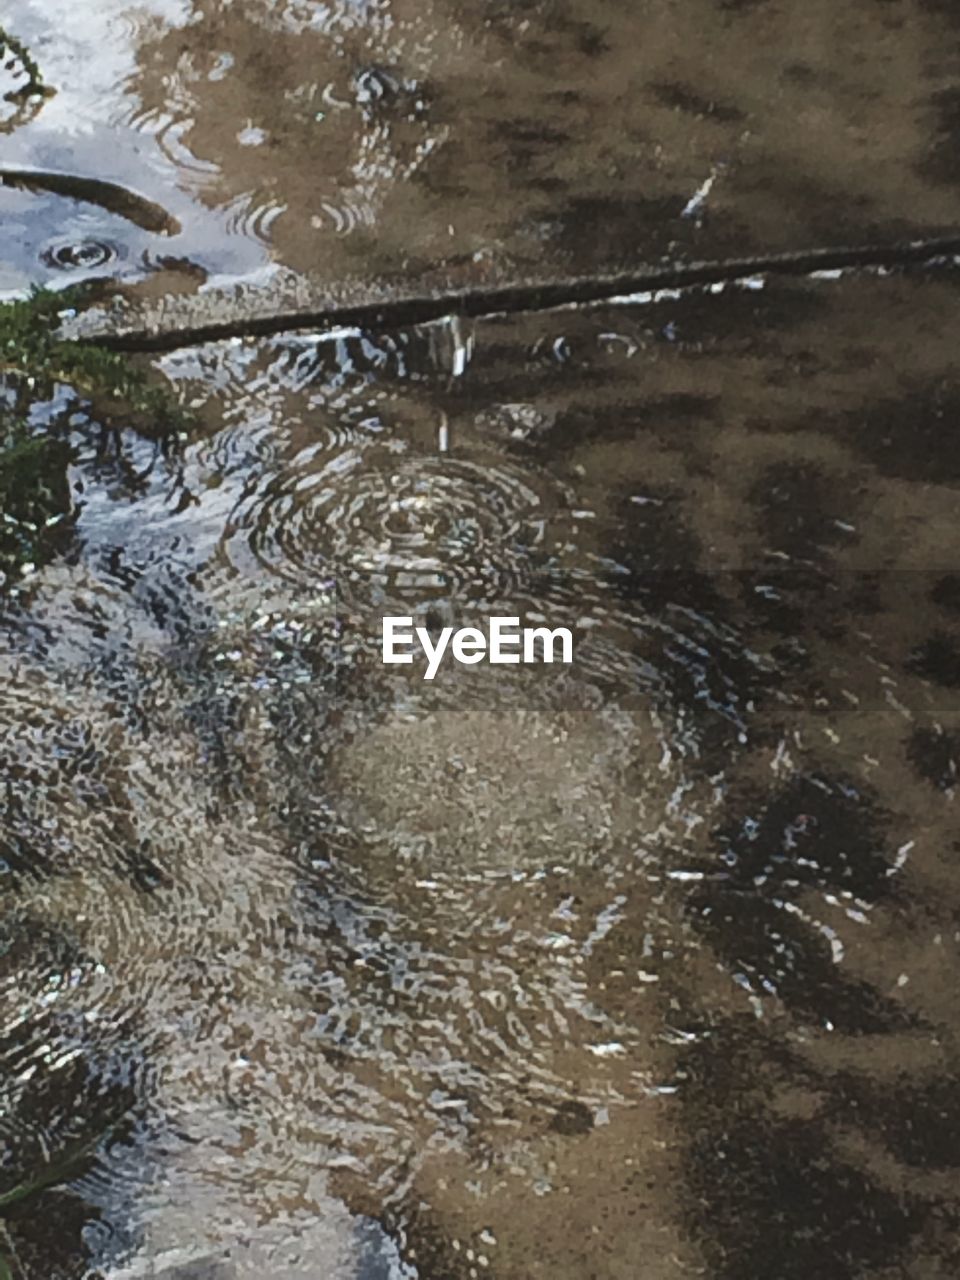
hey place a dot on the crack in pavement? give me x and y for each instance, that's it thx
(549, 296)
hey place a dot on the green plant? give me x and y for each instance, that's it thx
(30, 347)
(35, 503)
(34, 496)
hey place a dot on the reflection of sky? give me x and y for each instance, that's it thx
(140, 107)
(86, 52)
(35, 225)
(89, 127)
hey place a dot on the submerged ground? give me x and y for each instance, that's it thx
(633, 969)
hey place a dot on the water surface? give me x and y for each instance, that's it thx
(641, 967)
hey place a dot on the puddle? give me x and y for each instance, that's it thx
(316, 967)
(448, 146)
(114, 233)
(640, 966)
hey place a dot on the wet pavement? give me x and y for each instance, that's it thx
(639, 967)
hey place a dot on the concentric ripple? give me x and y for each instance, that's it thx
(308, 152)
(387, 525)
(475, 846)
(80, 255)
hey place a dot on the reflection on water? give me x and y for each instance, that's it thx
(328, 87)
(632, 967)
(638, 968)
(455, 145)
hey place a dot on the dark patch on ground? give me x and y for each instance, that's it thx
(802, 600)
(669, 419)
(934, 754)
(942, 162)
(597, 231)
(913, 437)
(818, 832)
(680, 97)
(548, 183)
(781, 956)
(653, 540)
(553, 30)
(586, 37)
(565, 97)
(529, 145)
(946, 592)
(741, 6)
(591, 41)
(529, 132)
(918, 1123)
(571, 1119)
(591, 227)
(807, 77)
(772, 1206)
(744, 321)
(443, 179)
(798, 505)
(706, 669)
(949, 10)
(499, 372)
(48, 1235)
(678, 407)
(820, 210)
(769, 1198)
(937, 659)
(422, 1244)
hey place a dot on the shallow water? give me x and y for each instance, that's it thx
(389, 141)
(638, 967)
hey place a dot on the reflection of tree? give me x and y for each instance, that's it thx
(28, 91)
(303, 108)
(34, 496)
(36, 508)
